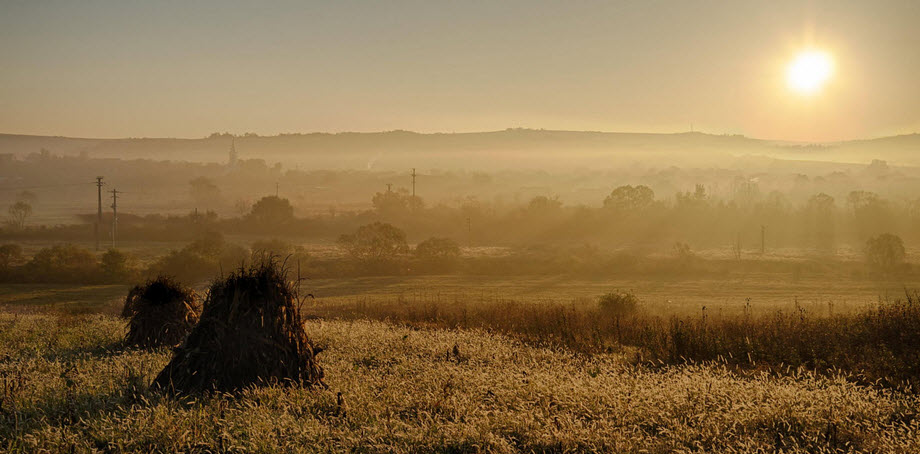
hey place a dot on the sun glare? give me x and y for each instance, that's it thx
(809, 71)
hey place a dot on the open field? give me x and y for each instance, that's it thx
(763, 293)
(760, 293)
(70, 386)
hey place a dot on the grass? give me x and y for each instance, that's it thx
(69, 386)
(65, 298)
(875, 344)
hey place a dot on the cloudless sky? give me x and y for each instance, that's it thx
(188, 68)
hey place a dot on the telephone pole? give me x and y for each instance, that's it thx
(277, 185)
(99, 213)
(763, 238)
(413, 182)
(114, 215)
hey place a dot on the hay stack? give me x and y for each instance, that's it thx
(162, 313)
(250, 332)
(131, 301)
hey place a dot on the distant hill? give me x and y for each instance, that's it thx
(508, 148)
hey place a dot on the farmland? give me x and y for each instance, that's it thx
(70, 386)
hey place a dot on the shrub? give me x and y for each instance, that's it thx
(438, 249)
(618, 303)
(9, 255)
(375, 242)
(116, 266)
(63, 263)
(885, 252)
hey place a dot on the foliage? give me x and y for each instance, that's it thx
(63, 263)
(436, 249)
(19, 212)
(271, 212)
(203, 258)
(618, 303)
(375, 242)
(10, 253)
(204, 192)
(885, 252)
(630, 198)
(396, 204)
(117, 266)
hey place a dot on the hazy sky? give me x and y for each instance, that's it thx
(189, 68)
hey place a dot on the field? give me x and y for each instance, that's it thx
(763, 293)
(69, 387)
(69, 384)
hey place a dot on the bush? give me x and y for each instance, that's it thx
(116, 266)
(618, 303)
(437, 249)
(885, 253)
(201, 259)
(63, 263)
(375, 242)
(9, 255)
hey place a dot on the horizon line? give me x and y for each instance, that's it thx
(509, 129)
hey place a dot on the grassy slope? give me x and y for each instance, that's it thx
(68, 385)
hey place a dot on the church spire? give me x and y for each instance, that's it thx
(233, 155)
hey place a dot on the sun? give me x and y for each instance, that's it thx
(809, 71)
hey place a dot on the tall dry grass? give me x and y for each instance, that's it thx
(874, 345)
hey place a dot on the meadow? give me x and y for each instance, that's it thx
(69, 386)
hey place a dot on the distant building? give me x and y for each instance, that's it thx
(6, 157)
(234, 158)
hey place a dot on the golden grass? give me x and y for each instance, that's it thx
(67, 385)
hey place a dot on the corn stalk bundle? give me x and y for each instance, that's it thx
(162, 313)
(250, 333)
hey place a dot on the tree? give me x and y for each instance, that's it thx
(19, 212)
(542, 204)
(871, 213)
(116, 265)
(396, 204)
(819, 213)
(63, 263)
(9, 255)
(437, 249)
(203, 191)
(375, 242)
(885, 252)
(630, 198)
(272, 211)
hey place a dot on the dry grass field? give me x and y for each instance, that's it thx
(69, 386)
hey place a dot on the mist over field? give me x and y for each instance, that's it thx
(460, 227)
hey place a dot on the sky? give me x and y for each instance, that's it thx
(190, 68)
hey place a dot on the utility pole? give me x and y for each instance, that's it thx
(114, 215)
(413, 182)
(389, 187)
(277, 186)
(99, 213)
(469, 230)
(763, 237)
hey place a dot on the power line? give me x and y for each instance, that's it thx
(99, 184)
(115, 193)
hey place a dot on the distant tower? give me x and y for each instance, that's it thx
(233, 156)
